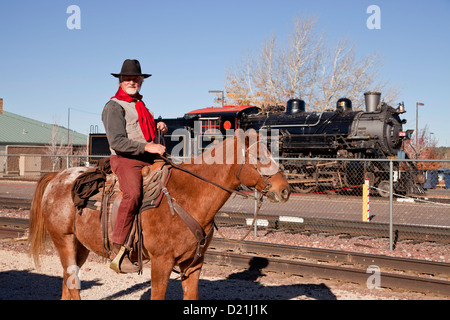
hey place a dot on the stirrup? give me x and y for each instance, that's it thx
(115, 264)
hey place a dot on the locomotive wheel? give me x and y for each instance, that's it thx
(383, 189)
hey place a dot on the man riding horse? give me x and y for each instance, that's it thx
(131, 130)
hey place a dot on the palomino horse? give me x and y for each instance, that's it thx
(166, 238)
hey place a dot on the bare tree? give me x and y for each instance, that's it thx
(57, 148)
(267, 74)
(336, 67)
(307, 69)
(299, 60)
(239, 83)
(425, 148)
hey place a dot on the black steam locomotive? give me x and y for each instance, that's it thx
(303, 136)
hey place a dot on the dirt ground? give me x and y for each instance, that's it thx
(19, 280)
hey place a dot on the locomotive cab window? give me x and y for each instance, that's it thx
(210, 125)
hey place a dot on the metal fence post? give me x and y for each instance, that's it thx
(391, 197)
(255, 225)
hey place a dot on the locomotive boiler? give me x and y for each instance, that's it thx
(375, 133)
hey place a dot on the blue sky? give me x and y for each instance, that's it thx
(46, 68)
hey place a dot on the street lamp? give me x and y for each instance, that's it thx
(417, 121)
(68, 125)
(218, 91)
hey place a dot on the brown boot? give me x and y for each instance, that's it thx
(120, 262)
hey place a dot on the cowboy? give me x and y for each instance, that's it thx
(130, 129)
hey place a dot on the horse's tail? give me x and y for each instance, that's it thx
(37, 233)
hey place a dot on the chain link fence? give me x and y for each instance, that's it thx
(406, 199)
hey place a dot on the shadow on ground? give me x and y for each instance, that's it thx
(27, 285)
(244, 285)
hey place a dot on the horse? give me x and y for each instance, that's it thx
(167, 240)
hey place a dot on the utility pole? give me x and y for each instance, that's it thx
(68, 125)
(218, 91)
(417, 121)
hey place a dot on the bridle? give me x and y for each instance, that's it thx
(264, 177)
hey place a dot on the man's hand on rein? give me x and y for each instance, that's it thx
(161, 126)
(155, 148)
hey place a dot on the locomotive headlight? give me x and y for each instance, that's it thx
(227, 125)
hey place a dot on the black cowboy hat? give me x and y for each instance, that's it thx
(131, 68)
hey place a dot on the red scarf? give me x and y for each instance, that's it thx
(146, 120)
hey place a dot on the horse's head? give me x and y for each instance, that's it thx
(257, 168)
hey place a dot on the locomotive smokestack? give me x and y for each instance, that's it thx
(372, 99)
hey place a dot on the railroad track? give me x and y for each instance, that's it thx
(393, 281)
(309, 225)
(13, 227)
(14, 203)
(395, 273)
(347, 258)
(335, 227)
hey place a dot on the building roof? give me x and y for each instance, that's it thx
(15, 129)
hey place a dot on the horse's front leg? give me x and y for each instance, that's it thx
(190, 282)
(161, 268)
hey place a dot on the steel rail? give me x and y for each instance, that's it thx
(14, 203)
(335, 226)
(329, 272)
(13, 227)
(397, 264)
